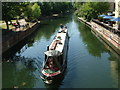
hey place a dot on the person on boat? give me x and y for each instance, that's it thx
(50, 61)
(61, 26)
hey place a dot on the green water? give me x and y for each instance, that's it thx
(90, 63)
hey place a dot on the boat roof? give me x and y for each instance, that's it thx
(59, 41)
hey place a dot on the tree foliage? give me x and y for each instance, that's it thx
(32, 11)
(54, 7)
(36, 10)
(9, 11)
(77, 5)
(91, 10)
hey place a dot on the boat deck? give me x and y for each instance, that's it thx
(59, 41)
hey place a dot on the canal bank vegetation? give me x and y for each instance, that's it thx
(31, 11)
(15, 11)
(90, 10)
(54, 7)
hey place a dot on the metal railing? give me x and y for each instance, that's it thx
(107, 27)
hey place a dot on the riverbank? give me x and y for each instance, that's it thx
(8, 41)
(111, 38)
(15, 36)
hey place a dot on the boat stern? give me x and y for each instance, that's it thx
(49, 77)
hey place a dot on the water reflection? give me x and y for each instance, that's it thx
(115, 64)
(17, 77)
(49, 27)
(93, 45)
(96, 48)
(11, 52)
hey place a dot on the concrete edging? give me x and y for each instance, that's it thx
(106, 38)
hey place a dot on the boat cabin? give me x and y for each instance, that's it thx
(53, 60)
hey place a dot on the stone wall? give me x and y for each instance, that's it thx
(109, 37)
(19, 36)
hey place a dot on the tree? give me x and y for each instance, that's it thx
(77, 5)
(9, 11)
(46, 8)
(91, 10)
(36, 10)
(32, 11)
(54, 7)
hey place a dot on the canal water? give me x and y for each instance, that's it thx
(90, 63)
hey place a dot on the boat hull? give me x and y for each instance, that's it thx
(55, 78)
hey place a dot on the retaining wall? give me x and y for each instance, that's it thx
(16, 38)
(112, 39)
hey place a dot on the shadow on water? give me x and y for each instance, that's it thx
(12, 51)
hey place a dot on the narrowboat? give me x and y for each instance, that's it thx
(55, 57)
